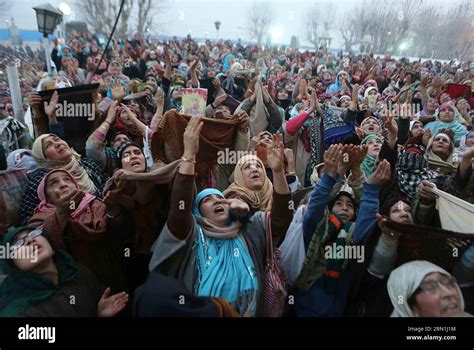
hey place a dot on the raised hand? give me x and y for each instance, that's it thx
(50, 108)
(34, 100)
(112, 112)
(219, 100)
(381, 174)
(275, 154)
(166, 55)
(424, 81)
(391, 125)
(426, 136)
(217, 84)
(331, 159)
(193, 66)
(160, 97)
(238, 208)
(131, 116)
(388, 236)
(243, 119)
(118, 91)
(425, 192)
(266, 95)
(355, 98)
(110, 306)
(344, 163)
(357, 156)
(191, 137)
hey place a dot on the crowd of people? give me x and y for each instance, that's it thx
(335, 206)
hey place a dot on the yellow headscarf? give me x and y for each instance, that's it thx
(72, 166)
(258, 200)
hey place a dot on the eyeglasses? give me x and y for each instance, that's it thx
(442, 138)
(21, 242)
(432, 286)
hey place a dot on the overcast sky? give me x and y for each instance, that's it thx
(198, 17)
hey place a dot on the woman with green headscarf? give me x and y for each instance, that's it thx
(42, 281)
(374, 146)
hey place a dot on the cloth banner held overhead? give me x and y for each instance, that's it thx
(455, 214)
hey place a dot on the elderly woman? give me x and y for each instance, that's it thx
(42, 280)
(75, 221)
(207, 247)
(423, 289)
(446, 121)
(251, 184)
(51, 152)
(440, 153)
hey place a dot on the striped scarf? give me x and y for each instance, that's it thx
(316, 267)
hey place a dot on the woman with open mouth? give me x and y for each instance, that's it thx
(446, 120)
(76, 222)
(46, 286)
(251, 184)
(137, 202)
(51, 152)
(203, 243)
(423, 289)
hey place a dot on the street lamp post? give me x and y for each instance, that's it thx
(218, 25)
(48, 18)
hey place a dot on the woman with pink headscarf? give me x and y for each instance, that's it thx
(76, 222)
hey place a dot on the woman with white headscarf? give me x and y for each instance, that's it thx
(422, 289)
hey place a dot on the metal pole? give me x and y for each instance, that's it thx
(15, 93)
(47, 53)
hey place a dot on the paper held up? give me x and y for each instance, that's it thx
(194, 101)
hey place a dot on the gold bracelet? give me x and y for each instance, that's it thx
(188, 160)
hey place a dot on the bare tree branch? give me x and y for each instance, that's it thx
(101, 14)
(259, 20)
(148, 12)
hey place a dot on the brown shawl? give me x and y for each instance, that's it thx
(216, 135)
(79, 233)
(149, 203)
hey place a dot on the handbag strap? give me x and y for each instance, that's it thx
(268, 232)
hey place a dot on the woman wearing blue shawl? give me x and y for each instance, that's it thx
(210, 243)
(446, 121)
(336, 88)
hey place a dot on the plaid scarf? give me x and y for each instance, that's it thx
(412, 168)
(316, 267)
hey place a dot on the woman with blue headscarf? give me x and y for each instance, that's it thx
(210, 243)
(342, 79)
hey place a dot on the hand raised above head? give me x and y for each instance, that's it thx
(381, 174)
(191, 137)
